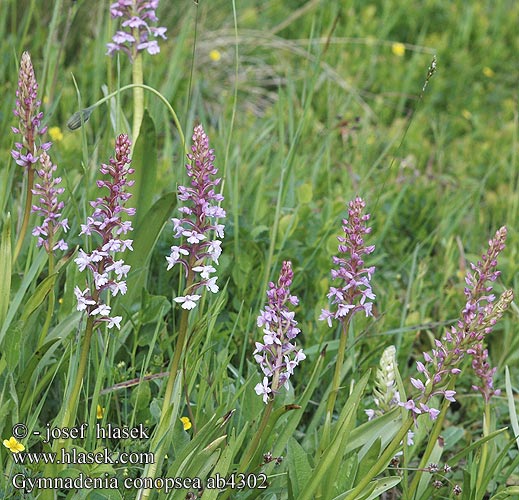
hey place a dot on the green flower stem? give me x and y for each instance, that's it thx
(433, 437)
(338, 367)
(70, 408)
(252, 448)
(80, 117)
(138, 97)
(180, 345)
(179, 348)
(484, 450)
(151, 471)
(52, 297)
(325, 437)
(26, 214)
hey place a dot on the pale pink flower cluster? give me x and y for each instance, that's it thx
(136, 33)
(199, 228)
(48, 206)
(466, 338)
(278, 356)
(108, 272)
(353, 292)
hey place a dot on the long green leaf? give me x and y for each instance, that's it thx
(225, 461)
(512, 412)
(145, 238)
(385, 427)
(425, 480)
(28, 279)
(38, 296)
(511, 492)
(381, 485)
(5, 269)
(299, 469)
(144, 161)
(295, 417)
(335, 449)
(25, 378)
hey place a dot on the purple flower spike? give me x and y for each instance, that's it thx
(354, 293)
(199, 227)
(478, 317)
(277, 356)
(26, 153)
(49, 207)
(484, 372)
(136, 32)
(108, 272)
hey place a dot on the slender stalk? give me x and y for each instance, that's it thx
(70, 407)
(484, 450)
(138, 97)
(338, 368)
(52, 297)
(80, 117)
(332, 396)
(143, 494)
(179, 347)
(251, 450)
(26, 214)
(433, 437)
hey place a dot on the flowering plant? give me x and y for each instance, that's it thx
(107, 271)
(466, 338)
(136, 34)
(277, 356)
(200, 250)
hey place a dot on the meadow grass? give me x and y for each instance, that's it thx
(307, 105)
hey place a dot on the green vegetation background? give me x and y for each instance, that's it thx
(325, 100)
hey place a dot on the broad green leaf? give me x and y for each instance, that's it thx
(370, 458)
(512, 412)
(38, 296)
(145, 238)
(25, 378)
(13, 345)
(385, 426)
(305, 192)
(141, 396)
(511, 492)
(335, 449)
(144, 162)
(225, 461)
(27, 281)
(299, 469)
(153, 307)
(381, 485)
(5, 269)
(425, 479)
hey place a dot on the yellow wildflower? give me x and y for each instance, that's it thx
(14, 445)
(215, 55)
(55, 134)
(466, 114)
(488, 72)
(100, 412)
(398, 49)
(186, 423)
